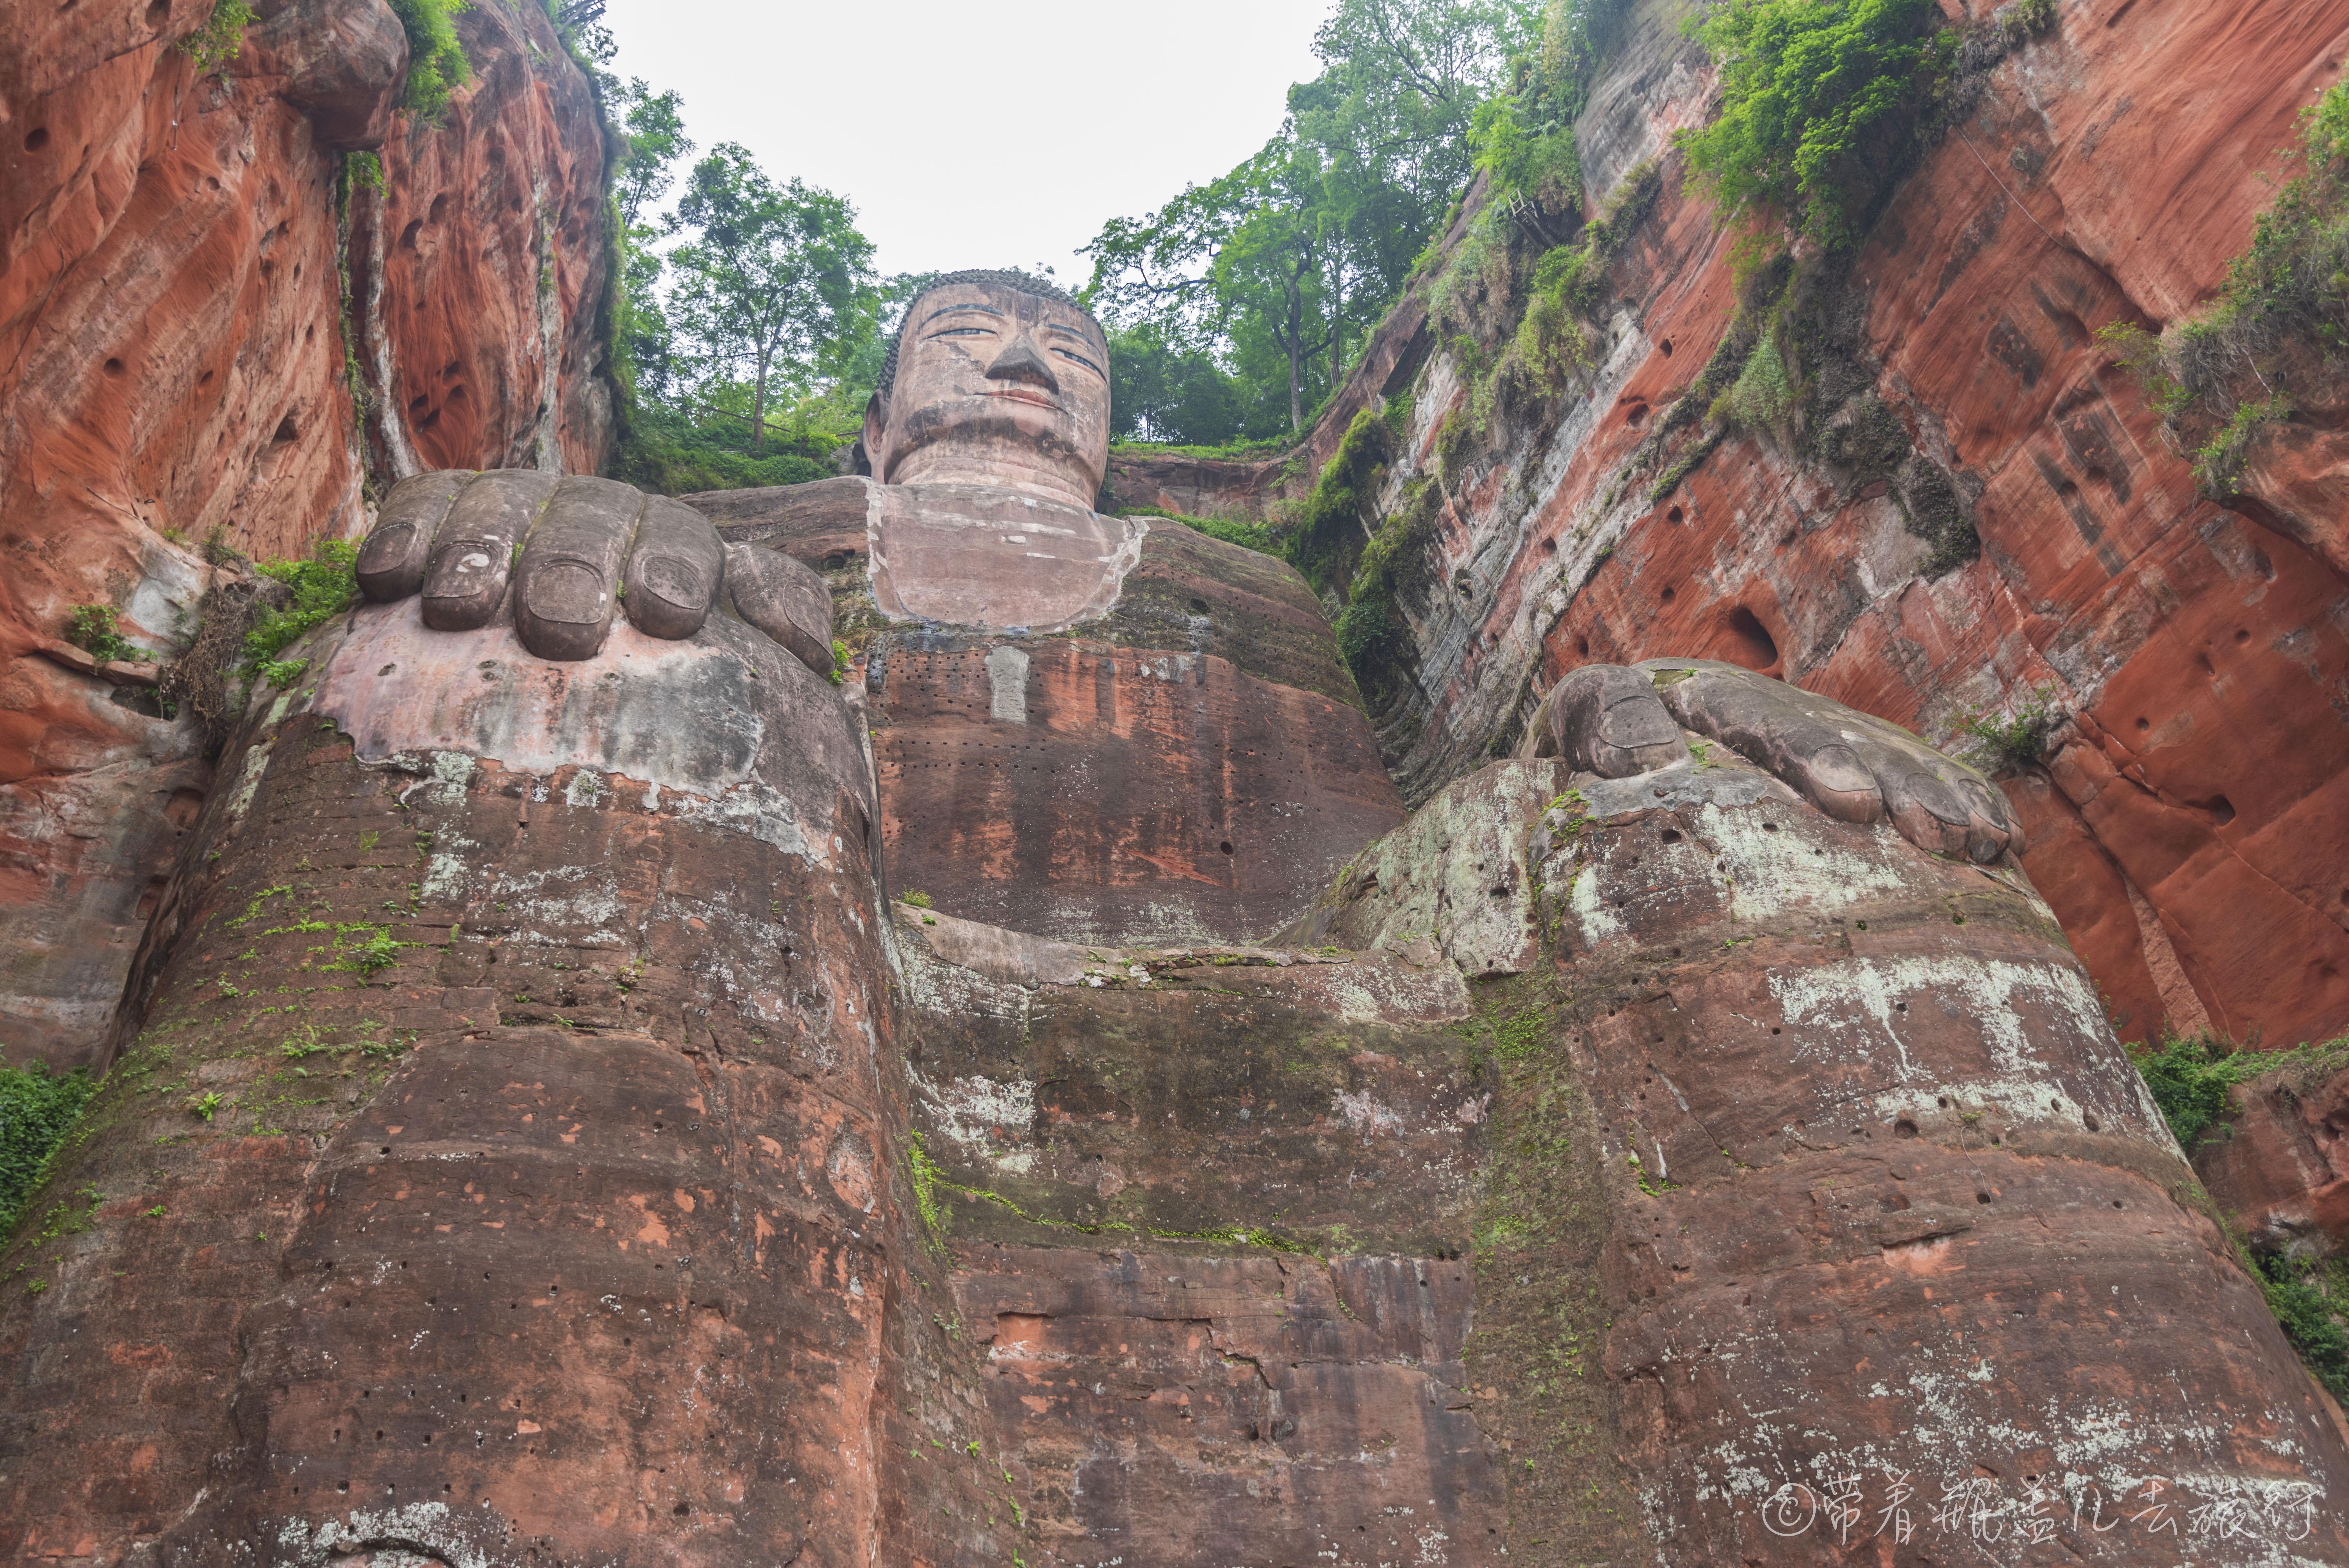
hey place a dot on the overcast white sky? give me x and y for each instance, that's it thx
(986, 133)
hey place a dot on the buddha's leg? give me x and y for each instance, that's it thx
(505, 1171)
(1899, 1255)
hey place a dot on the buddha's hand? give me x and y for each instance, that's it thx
(567, 554)
(1616, 720)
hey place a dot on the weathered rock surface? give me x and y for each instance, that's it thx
(173, 326)
(540, 1142)
(2278, 1164)
(509, 1163)
(2188, 820)
(1191, 765)
(1773, 1187)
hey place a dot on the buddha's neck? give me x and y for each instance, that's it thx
(1003, 470)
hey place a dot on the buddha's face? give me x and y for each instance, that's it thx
(996, 388)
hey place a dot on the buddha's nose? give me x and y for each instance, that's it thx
(1021, 362)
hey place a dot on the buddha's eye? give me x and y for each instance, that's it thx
(1080, 359)
(964, 332)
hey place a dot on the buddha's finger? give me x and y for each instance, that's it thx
(567, 584)
(783, 598)
(674, 570)
(473, 549)
(1607, 719)
(397, 550)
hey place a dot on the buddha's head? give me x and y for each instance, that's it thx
(1000, 379)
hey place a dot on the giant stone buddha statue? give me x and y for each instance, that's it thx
(543, 1141)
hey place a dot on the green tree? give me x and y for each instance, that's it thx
(1280, 265)
(651, 130)
(652, 138)
(770, 278)
(437, 64)
(1164, 391)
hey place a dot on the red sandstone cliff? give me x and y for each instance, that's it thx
(192, 312)
(2189, 821)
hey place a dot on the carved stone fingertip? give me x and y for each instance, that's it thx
(674, 570)
(783, 598)
(1607, 720)
(565, 590)
(1832, 779)
(393, 557)
(473, 551)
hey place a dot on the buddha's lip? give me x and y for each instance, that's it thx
(1021, 394)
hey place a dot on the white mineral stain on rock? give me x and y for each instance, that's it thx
(968, 1110)
(1364, 1114)
(1599, 922)
(1771, 871)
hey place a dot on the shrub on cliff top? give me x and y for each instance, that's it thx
(436, 59)
(1819, 101)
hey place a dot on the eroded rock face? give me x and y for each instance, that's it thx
(1806, 1195)
(2186, 821)
(1187, 761)
(2278, 1164)
(173, 326)
(511, 1159)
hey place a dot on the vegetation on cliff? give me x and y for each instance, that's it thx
(36, 1110)
(436, 57)
(221, 38)
(2277, 335)
(2193, 1079)
(1818, 105)
(748, 324)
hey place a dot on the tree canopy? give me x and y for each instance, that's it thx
(1271, 273)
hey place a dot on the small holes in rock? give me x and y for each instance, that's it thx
(1226, 846)
(1671, 835)
(114, 368)
(37, 139)
(1904, 1128)
(2241, 635)
(1777, 1031)
(2089, 1120)
(2144, 724)
(1675, 515)
(1982, 1197)
(1582, 647)
(1769, 827)
(2117, 1202)
(1668, 595)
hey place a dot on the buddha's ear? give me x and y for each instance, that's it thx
(869, 458)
